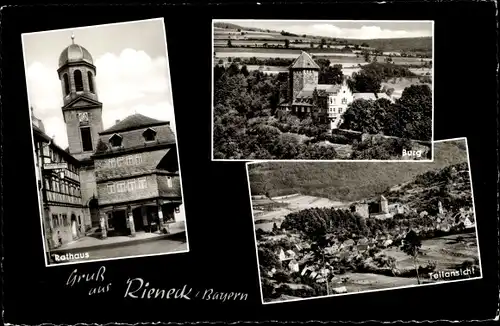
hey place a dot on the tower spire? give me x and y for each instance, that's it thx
(72, 38)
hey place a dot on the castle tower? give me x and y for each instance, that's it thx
(303, 73)
(440, 208)
(384, 205)
(82, 111)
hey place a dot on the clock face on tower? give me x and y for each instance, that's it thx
(83, 116)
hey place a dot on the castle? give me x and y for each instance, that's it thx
(378, 208)
(116, 181)
(324, 102)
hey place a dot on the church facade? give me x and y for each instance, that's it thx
(127, 177)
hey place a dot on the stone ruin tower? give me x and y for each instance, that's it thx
(303, 73)
(440, 208)
(384, 205)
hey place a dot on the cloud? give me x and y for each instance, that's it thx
(365, 32)
(130, 76)
(126, 83)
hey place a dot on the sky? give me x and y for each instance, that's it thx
(345, 29)
(132, 74)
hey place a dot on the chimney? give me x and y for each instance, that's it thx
(116, 121)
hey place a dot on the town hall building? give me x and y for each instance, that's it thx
(121, 180)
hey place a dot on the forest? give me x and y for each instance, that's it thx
(345, 181)
(247, 124)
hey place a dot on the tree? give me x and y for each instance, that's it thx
(330, 75)
(312, 44)
(412, 247)
(287, 43)
(366, 56)
(229, 44)
(365, 82)
(244, 71)
(323, 43)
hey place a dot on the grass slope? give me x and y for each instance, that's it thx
(346, 181)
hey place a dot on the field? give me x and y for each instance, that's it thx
(399, 84)
(293, 204)
(234, 32)
(346, 59)
(446, 251)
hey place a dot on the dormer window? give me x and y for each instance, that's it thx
(116, 140)
(149, 135)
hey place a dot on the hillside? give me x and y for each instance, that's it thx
(450, 185)
(228, 25)
(413, 44)
(344, 181)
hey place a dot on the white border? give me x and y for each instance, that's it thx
(317, 21)
(368, 291)
(45, 251)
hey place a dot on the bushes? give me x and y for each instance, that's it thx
(339, 139)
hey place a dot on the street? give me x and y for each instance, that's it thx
(160, 246)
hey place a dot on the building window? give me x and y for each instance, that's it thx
(79, 220)
(115, 140)
(120, 187)
(142, 183)
(66, 84)
(111, 188)
(55, 220)
(112, 163)
(130, 160)
(91, 82)
(344, 101)
(78, 80)
(149, 134)
(86, 139)
(169, 182)
(138, 159)
(340, 110)
(120, 161)
(131, 185)
(64, 219)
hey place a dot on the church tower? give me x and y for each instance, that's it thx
(81, 109)
(303, 73)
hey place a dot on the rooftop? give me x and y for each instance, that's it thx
(74, 53)
(132, 122)
(304, 61)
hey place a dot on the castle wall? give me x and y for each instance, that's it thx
(302, 78)
(362, 210)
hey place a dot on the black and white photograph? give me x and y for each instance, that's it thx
(336, 228)
(104, 140)
(322, 90)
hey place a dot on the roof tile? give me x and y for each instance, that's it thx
(304, 61)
